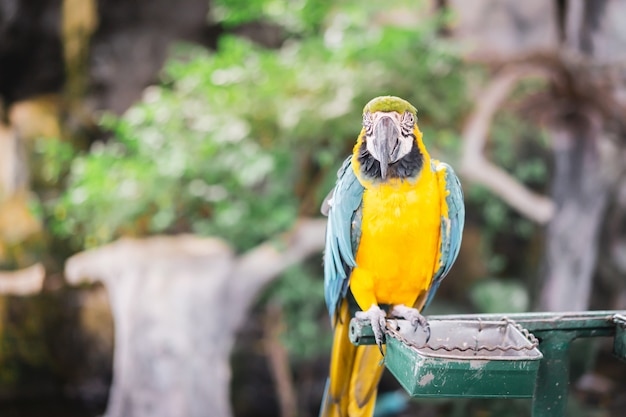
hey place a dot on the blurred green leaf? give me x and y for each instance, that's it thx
(500, 296)
(300, 293)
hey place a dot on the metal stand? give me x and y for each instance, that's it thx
(462, 359)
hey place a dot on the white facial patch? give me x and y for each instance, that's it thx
(406, 144)
(404, 125)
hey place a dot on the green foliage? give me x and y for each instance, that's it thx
(52, 157)
(162, 176)
(215, 149)
(299, 16)
(300, 294)
(500, 296)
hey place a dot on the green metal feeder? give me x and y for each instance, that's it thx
(491, 355)
(463, 358)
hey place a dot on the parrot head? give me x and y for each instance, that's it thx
(389, 144)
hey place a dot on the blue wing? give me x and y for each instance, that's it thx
(343, 233)
(451, 227)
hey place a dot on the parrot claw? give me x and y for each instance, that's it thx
(377, 318)
(413, 315)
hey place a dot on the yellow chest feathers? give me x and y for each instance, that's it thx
(400, 237)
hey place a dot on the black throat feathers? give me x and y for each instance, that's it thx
(407, 167)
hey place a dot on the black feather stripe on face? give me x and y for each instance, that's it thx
(407, 167)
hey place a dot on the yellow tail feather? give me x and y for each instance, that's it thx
(354, 374)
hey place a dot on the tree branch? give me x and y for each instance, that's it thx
(24, 281)
(278, 359)
(259, 266)
(479, 169)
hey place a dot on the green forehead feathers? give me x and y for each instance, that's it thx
(389, 103)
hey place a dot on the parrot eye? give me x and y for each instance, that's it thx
(407, 123)
(408, 119)
(368, 124)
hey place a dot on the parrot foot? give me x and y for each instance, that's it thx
(413, 315)
(377, 318)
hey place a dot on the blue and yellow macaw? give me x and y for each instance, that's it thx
(395, 220)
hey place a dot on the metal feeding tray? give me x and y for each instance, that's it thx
(463, 358)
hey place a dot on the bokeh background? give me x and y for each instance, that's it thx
(162, 165)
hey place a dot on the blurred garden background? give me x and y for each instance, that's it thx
(162, 165)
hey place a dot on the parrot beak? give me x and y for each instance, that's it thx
(385, 144)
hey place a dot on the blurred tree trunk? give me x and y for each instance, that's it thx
(177, 302)
(79, 22)
(580, 189)
(25, 281)
(587, 131)
(17, 222)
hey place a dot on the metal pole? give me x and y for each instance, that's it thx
(552, 384)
